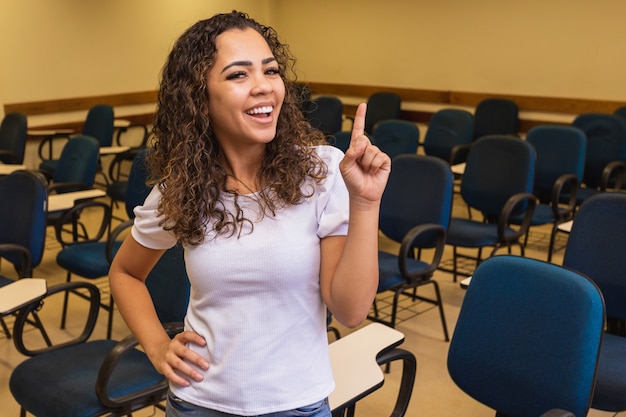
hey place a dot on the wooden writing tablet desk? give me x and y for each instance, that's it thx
(353, 361)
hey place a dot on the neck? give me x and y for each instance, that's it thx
(242, 176)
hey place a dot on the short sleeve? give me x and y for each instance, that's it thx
(333, 201)
(146, 229)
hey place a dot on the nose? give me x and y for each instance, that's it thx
(261, 85)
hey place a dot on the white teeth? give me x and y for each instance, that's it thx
(259, 110)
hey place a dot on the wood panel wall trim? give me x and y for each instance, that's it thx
(556, 105)
(80, 103)
(463, 98)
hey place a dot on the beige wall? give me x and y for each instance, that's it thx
(564, 48)
(568, 48)
(54, 49)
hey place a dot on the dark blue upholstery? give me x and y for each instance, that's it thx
(325, 113)
(381, 106)
(497, 167)
(414, 211)
(596, 247)
(621, 112)
(606, 150)
(527, 337)
(341, 139)
(23, 217)
(119, 190)
(498, 182)
(496, 116)
(78, 162)
(99, 124)
(91, 377)
(396, 137)
(13, 138)
(558, 172)
(47, 368)
(560, 150)
(91, 258)
(449, 135)
(76, 170)
(22, 225)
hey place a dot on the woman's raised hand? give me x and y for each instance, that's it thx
(365, 168)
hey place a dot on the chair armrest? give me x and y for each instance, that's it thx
(569, 184)
(555, 412)
(21, 251)
(21, 318)
(614, 169)
(408, 244)
(69, 217)
(507, 211)
(409, 367)
(47, 141)
(127, 156)
(144, 140)
(113, 358)
(458, 154)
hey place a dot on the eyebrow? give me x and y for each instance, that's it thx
(247, 63)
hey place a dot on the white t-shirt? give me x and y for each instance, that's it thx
(256, 300)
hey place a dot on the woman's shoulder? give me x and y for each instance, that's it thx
(329, 153)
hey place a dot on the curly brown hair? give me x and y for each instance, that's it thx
(185, 161)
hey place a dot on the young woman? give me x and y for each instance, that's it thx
(277, 227)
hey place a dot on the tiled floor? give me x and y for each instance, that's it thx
(434, 394)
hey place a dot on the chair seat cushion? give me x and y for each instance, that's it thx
(611, 379)
(74, 392)
(473, 234)
(389, 272)
(48, 166)
(87, 260)
(542, 215)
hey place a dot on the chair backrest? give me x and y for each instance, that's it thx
(325, 113)
(23, 214)
(381, 106)
(419, 191)
(498, 116)
(168, 285)
(137, 190)
(396, 137)
(527, 337)
(78, 161)
(606, 142)
(497, 167)
(341, 139)
(560, 150)
(448, 128)
(13, 138)
(99, 124)
(596, 247)
(621, 112)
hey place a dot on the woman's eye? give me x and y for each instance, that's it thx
(235, 75)
(272, 71)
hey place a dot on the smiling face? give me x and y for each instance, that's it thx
(246, 90)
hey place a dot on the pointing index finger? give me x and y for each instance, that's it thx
(358, 127)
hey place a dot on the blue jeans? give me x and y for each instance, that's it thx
(179, 408)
